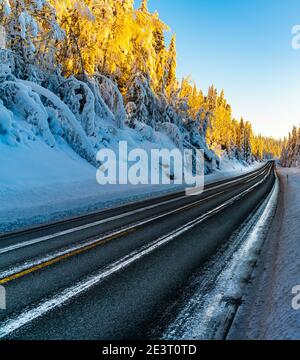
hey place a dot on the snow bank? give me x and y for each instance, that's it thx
(41, 184)
(232, 167)
(267, 313)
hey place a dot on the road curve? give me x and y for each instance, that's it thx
(110, 274)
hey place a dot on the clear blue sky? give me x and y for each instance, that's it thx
(243, 46)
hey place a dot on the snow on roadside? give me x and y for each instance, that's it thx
(39, 184)
(230, 168)
(268, 312)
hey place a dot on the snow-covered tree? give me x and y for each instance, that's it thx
(290, 156)
(144, 6)
(32, 30)
(142, 104)
(170, 68)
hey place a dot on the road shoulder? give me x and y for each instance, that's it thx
(267, 311)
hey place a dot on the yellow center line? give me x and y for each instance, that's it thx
(72, 253)
(78, 252)
(63, 257)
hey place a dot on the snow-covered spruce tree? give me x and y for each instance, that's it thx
(246, 142)
(142, 103)
(290, 156)
(79, 50)
(81, 101)
(296, 147)
(112, 98)
(32, 31)
(194, 130)
(144, 5)
(170, 68)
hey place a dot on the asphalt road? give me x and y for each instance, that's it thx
(111, 274)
